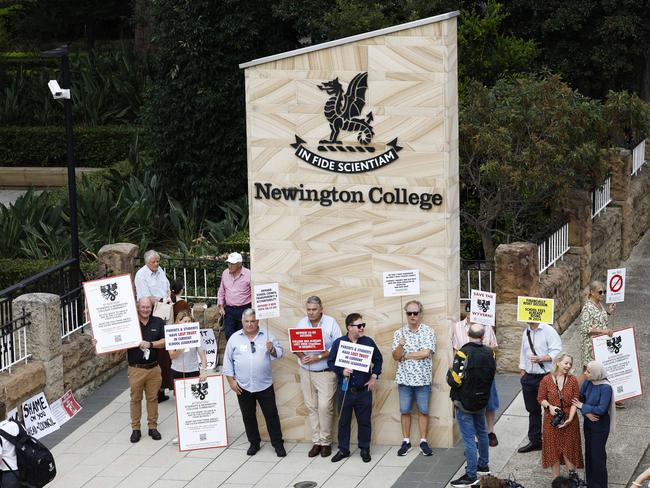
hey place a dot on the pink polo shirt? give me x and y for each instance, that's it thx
(235, 291)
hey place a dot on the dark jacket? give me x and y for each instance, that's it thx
(358, 378)
(471, 376)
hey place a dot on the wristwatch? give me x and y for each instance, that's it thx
(150, 345)
(320, 356)
(374, 375)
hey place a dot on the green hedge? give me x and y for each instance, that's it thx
(15, 270)
(95, 147)
(239, 242)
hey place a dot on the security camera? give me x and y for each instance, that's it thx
(57, 91)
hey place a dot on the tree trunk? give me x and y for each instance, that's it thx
(143, 18)
(645, 80)
(488, 243)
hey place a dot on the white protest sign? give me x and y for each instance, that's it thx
(618, 354)
(615, 285)
(65, 408)
(483, 307)
(13, 414)
(37, 417)
(182, 336)
(211, 347)
(354, 356)
(267, 301)
(401, 283)
(201, 413)
(113, 317)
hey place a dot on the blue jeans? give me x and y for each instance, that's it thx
(472, 426)
(421, 394)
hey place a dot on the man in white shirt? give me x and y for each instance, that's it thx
(150, 280)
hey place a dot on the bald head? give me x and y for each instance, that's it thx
(476, 332)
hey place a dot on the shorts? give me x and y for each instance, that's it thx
(421, 394)
(493, 401)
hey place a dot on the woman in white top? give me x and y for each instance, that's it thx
(185, 362)
(8, 461)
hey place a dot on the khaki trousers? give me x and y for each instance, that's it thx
(145, 381)
(318, 391)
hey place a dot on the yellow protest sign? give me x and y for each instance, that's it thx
(531, 309)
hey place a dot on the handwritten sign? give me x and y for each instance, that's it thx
(306, 340)
(37, 417)
(354, 356)
(618, 354)
(65, 408)
(615, 285)
(483, 307)
(13, 414)
(267, 301)
(210, 345)
(401, 283)
(182, 336)
(530, 309)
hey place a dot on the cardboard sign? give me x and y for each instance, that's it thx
(13, 414)
(65, 408)
(182, 336)
(483, 308)
(113, 317)
(267, 301)
(201, 413)
(210, 345)
(401, 283)
(615, 285)
(618, 354)
(306, 340)
(37, 417)
(354, 356)
(530, 309)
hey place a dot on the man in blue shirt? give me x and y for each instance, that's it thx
(355, 389)
(247, 367)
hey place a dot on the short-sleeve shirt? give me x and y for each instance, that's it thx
(152, 332)
(188, 362)
(415, 372)
(8, 452)
(591, 317)
(459, 336)
(150, 284)
(331, 332)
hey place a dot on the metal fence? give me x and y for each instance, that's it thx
(553, 248)
(13, 341)
(475, 275)
(600, 198)
(638, 157)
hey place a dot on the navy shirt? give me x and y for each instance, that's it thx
(154, 330)
(358, 378)
(596, 399)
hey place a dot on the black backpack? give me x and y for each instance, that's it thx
(476, 366)
(36, 466)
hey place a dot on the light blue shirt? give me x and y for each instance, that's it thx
(251, 370)
(331, 332)
(546, 341)
(150, 284)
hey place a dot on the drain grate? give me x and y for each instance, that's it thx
(306, 484)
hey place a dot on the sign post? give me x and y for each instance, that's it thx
(530, 309)
(483, 307)
(401, 283)
(618, 354)
(615, 285)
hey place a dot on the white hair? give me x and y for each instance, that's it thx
(248, 312)
(149, 255)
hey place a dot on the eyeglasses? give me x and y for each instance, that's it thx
(600, 292)
(412, 314)
(252, 347)
(360, 326)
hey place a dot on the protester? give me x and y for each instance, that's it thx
(176, 292)
(459, 338)
(185, 362)
(540, 343)
(645, 476)
(247, 367)
(561, 440)
(319, 388)
(597, 406)
(144, 372)
(8, 459)
(355, 390)
(470, 379)
(234, 295)
(413, 349)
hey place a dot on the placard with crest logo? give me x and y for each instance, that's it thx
(483, 307)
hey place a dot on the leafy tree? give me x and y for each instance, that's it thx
(628, 119)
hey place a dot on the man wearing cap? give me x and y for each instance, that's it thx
(234, 294)
(317, 380)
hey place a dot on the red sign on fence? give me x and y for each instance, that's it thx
(306, 340)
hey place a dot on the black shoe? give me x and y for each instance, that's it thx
(280, 451)
(162, 397)
(154, 434)
(492, 439)
(338, 456)
(135, 436)
(483, 470)
(530, 447)
(365, 455)
(465, 482)
(252, 449)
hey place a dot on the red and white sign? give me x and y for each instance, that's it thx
(306, 340)
(267, 301)
(615, 285)
(621, 361)
(65, 408)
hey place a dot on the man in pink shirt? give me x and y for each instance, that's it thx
(234, 294)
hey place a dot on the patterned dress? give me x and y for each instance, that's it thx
(592, 317)
(567, 440)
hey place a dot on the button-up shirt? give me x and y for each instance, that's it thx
(151, 284)
(415, 372)
(459, 336)
(235, 290)
(546, 341)
(251, 370)
(358, 379)
(331, 332)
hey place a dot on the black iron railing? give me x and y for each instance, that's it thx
(13, 341)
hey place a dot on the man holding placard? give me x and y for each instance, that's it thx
(234, 295)
(319, 389)
(351, 358)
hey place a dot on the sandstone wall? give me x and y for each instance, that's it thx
(562, 283)
(606, 243)
(640, 189)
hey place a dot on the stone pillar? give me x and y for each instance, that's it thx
(517, 274)
(44, 336)
(620, 162)
(580, 227)
(118, 259)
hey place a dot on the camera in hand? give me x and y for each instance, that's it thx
(558, 419)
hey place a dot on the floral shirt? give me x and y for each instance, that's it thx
(415, 372)
(591, 317)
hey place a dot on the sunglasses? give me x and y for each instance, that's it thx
(360, 326)
(600, 292)
(412, 314)
(252, 347)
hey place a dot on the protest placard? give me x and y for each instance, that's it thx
(354, 356)
(201, 413)
(13, 414)
(615, 285)
(619, 356)
(37, 417)
(267, 301)
(65, 408)
(113, 316)
(182, 336)
(210, 345)
(306, 340)
(531, 309)
(401, 283)
(483, 307)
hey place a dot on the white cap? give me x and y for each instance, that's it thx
(234, 258)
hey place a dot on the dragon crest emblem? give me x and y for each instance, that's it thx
(109, 291)
(200, 390)
(343, 110)
(484, 305)
(614, 344)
